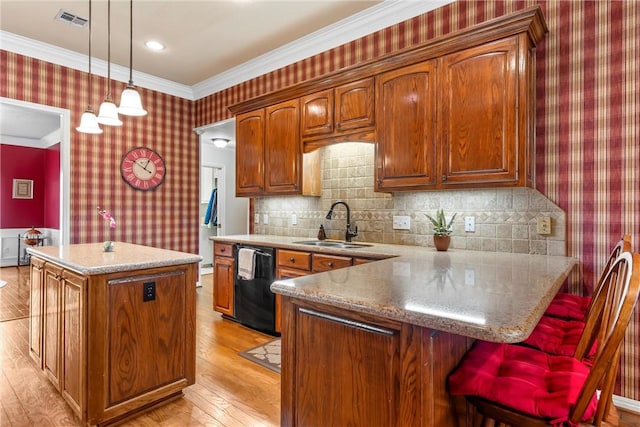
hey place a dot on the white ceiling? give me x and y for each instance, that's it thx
(211, 44)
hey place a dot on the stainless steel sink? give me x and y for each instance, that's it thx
(333, 244)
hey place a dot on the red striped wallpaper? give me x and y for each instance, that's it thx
(588, 122)
(166, 217)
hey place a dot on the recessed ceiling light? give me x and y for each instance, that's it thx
(154, 45)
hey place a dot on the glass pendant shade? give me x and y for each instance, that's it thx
(131, 102)
(89, 122)
(220, 142)
(108, 113)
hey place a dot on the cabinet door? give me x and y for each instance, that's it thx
(479, 111)
(51, 326)
(73, 341)
(285, 273)
(329, 262)
(405, 122)
(316, 114)
(35, 310)
(354, 105)
(223, 275)
(283, 155)
(250, 153)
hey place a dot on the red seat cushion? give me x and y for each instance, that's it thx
(568, 306)
(557, 336)
(527, 380)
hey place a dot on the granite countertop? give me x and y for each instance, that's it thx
(492, 296)
(89, 258)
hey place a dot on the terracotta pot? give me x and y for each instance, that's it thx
(441, 242)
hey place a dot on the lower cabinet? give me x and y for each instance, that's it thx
(346, 368)
(223, 278)
(114, 343)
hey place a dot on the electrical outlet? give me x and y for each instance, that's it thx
(265, 219)
(401, 222)
(294, 219)
(256, 219)
(149, 291)
(544, 225)
(470, 224)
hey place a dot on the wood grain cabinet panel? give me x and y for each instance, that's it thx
(283, 156)
(51, 339)
(36, 309)
(354, 105)
(316, 114)
(223, 283)
(250, 153)
(294, 259)
(479, 129)
(73, 351)
(406, 128)
(322, 262)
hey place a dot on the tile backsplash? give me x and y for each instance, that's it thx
(505, 218)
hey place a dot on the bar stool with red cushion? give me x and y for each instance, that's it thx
(575, 307)
(524, 387)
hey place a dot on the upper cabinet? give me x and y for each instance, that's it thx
(482, 137)
(455, 112)
(406, 128)
(343, 113)
(269, 153)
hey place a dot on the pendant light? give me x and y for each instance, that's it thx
(108, 114)
(88, 121)
(130, 101)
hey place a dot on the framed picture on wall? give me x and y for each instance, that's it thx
(23, 189)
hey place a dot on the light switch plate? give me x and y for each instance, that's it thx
(470, 224)
(401, 222)
(256, 219)
(294, 219)
(265, 219)
(544, 225)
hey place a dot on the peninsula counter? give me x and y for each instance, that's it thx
(113, 331)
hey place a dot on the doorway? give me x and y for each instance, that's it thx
(35, 126)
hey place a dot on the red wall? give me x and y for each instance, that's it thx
(23, 163)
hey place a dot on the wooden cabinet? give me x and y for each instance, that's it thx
(250, 153)
(322, 262)
(406, 128)
(223, 278)
(345, 112)
(114, 343)
(36, 310)
(396, 372)
(482, 126)
(461, 121)
(269, 159)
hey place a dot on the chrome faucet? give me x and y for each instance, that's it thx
(349, 233)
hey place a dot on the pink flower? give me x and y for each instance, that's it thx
(107, 216)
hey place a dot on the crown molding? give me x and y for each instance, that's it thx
(67, 58)
(370, 20)
(361, 24)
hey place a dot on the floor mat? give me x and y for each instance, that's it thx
(267, 355)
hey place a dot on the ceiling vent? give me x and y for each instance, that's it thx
(71, 18)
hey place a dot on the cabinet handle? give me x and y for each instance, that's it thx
(330, 264)
(292, 259)
(352, 323)
(444, 178)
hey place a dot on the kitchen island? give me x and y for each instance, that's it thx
(113, 331)
(372, 344)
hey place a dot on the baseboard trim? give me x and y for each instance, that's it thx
(627, 404)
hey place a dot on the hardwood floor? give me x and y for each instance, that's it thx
(229, 390)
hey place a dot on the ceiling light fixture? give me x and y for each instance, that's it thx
(88, 121)
(154, 45)
(108, 113)
(220, 142)
(130, 101)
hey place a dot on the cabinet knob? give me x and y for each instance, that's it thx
(223, 249)
(292, 259)
(330, 264)
(444, 178)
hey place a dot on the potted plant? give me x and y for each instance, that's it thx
(441, 230)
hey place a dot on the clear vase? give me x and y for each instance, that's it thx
(108, 246)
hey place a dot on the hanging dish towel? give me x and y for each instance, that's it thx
(246, 263)
(212, 209)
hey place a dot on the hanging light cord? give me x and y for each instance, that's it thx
(109, 49)
(131, 42)
(89, 78)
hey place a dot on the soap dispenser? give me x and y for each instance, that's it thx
(321, 233)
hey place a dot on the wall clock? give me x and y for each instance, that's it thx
(143, 168)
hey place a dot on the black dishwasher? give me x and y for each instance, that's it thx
(254, 303)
